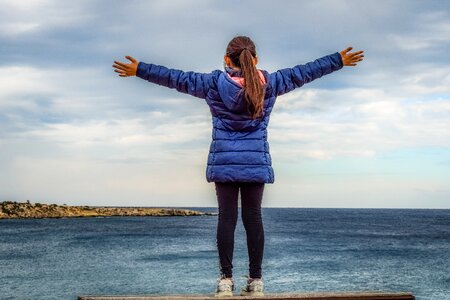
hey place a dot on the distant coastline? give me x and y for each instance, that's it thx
(28, 210)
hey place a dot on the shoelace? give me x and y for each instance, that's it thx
(259, 286)
(225, 286)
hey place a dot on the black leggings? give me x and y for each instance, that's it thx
(251, 197)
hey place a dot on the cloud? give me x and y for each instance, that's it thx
(432, 31)
(61, 104)
(325, 124)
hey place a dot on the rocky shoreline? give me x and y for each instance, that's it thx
(28, 210)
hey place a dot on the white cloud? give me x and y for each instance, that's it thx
(62, 107)
(124, 133)
(31, 16)
(22, 79)
(326, 124)
(91, 182)
(433, 30)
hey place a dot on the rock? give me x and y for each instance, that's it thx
(15, 210)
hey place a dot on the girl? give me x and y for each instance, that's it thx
(241, 99)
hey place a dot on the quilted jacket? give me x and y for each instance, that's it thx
(239, 148)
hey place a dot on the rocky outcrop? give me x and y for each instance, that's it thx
(16, 210)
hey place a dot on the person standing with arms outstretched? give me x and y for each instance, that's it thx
(240, 99)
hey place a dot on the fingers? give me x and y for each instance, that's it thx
(353, 53)
(130, 58)
(347, 49)
(120, 64)
(122, 73)
(351, 58)
(356, 54)
(357, 57)
(122, 69)
(125, 69)
(354, 58)
(353, 62)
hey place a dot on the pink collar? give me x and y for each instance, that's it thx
(241, 80)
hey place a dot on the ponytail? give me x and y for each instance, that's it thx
(253, 87)
(241, 50)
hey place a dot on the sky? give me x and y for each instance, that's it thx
(372, 136)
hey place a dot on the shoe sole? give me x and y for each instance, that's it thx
(224, 294)
(252, 294)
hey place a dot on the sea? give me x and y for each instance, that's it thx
(306, 250)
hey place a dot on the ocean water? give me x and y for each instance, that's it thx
(306, 250)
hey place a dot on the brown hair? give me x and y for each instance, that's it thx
(241, 50)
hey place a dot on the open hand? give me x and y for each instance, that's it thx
(351, 58)
(126, 70)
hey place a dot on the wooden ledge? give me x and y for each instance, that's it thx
(287, 296)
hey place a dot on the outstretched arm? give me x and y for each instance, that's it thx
(288, 79)
(195, 84)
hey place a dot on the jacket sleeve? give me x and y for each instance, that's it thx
(192, 83)
(286, 80)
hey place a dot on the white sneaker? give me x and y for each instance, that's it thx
(254, 288)
(225, 287)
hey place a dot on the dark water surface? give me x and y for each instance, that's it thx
(306, 250)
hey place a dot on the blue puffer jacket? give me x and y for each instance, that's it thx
(239, 149)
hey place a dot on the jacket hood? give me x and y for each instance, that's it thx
(231, 91)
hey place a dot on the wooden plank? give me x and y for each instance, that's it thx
(283, 296)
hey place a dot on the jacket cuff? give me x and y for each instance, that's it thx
(142, 69)
(337, 59)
